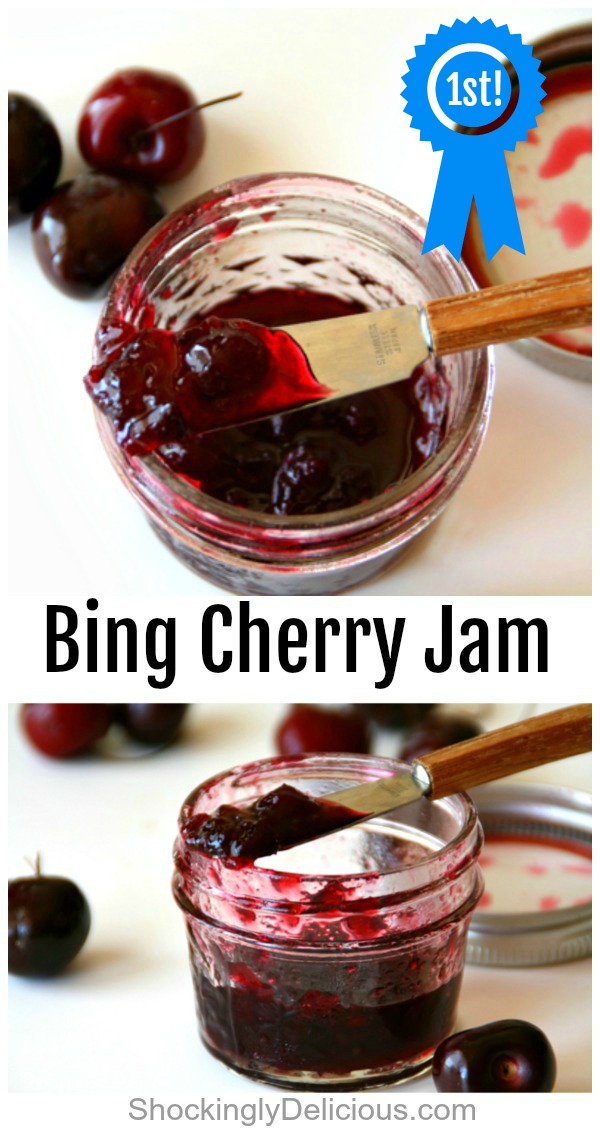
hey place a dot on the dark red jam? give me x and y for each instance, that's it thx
(311, 979)
(255, 1023)
(160, 386)
(278, 820)
(160, 390)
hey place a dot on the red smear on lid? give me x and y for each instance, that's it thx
(567, 147)
(574, 223)
(583, 870)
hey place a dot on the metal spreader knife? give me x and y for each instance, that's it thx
(366, 351)
(520, 746)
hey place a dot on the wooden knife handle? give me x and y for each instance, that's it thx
(531, 742)
(510, 311)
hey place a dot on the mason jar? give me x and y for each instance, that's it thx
(296, 231)
(336, 964)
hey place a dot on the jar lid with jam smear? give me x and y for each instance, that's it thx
(551, 178)
(536, 862)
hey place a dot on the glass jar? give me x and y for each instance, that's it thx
(338, 238)
(313, 976)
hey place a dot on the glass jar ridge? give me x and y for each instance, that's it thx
(321, 233)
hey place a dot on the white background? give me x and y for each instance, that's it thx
(321, 94)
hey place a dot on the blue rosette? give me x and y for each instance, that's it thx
(473, 163)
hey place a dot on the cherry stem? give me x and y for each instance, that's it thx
(35, 865)
(190, 110)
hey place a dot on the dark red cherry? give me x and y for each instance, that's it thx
(308, 729)
(63, 730)
(114, 134)
(221, 360)
(152, 723)
(304, 477)
(87, 228)
(433, 734)
(48, 924)
(161, 388)
(34, 156)
(136, 389)
(503, 1057)
(398, 716)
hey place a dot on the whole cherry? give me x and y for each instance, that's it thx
(143, 124)
(48, 923)
(152, 723)
(398, 716)
(310, 729)
(34, 156)
(61, 731)
(509, 1056)
(85, 230)
(432, 734)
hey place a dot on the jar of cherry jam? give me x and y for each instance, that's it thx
(321, 499)
(336, 964)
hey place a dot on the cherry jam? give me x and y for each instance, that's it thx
(157, 386)
(276, 821)
(318, 1032)
(336, 963)
(163, 391)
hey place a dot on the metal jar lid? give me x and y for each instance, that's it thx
(564, 48)
(553, 816)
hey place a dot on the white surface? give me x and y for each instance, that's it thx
(321, 94)
(122, 1016)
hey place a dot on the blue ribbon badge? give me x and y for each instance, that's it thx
(460, 96)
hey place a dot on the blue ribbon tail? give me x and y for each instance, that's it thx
(451, 205)
(481, 175)
(496, 207)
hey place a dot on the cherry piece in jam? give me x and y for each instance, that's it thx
(165, 387)
(324, 457)
(278, 820)
(308, 729)
(135, 388)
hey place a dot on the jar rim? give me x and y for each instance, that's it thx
(333, 762)
(226, 518)
(563, 47)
